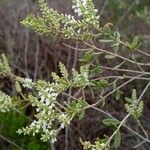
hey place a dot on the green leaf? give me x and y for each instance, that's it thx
(18, 87)
(114, 84)
(95, 69)
(81, 115)
(76, 107)
(117, 36)
(117, 139)
(100, 84)
(63, 71)
(118, 94)
(87, 57)
(111, 122)
(135, 43)
(134, 107)
(134, 95)
(4, 65)
(107, 28)
(135, 40)
(129, 100)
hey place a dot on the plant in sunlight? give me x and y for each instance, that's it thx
(52, 116)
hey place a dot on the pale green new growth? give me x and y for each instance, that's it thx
(65, 25)
(134, 107)
(81, 79)
(98, 145)
(4, 66)
(5, 102)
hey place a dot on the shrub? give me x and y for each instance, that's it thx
(51, 115)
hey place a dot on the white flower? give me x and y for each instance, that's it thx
(48, 96)
(69, 16)
(32, 124)
(53, 140)
(84, 2)
(77, 6)
(78, 11)
(78, 31)
(47, 101)
(27, 83)
(51, 106)
(62, 116)
(64, 119)
(44, 127)
(62, 125)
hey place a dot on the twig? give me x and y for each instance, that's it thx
(144, 53)
(116, 89)
(134, 132)
(14, 144)
(121, 78)
(113, 54)
(126, 117)
(126, 70)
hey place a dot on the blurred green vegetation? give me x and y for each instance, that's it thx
(132, 9)
(9, 123)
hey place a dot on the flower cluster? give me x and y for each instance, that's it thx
(133, 105)
(98, 145)
(48, 110)
(64, 25)
(86, 9)
(81, 79)
(64, 119)
(47, 113)
(27, 83)
(4, 66)
(23, 82)
(5, 102)
(47, 95)
(77, 6)
(38, 126)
